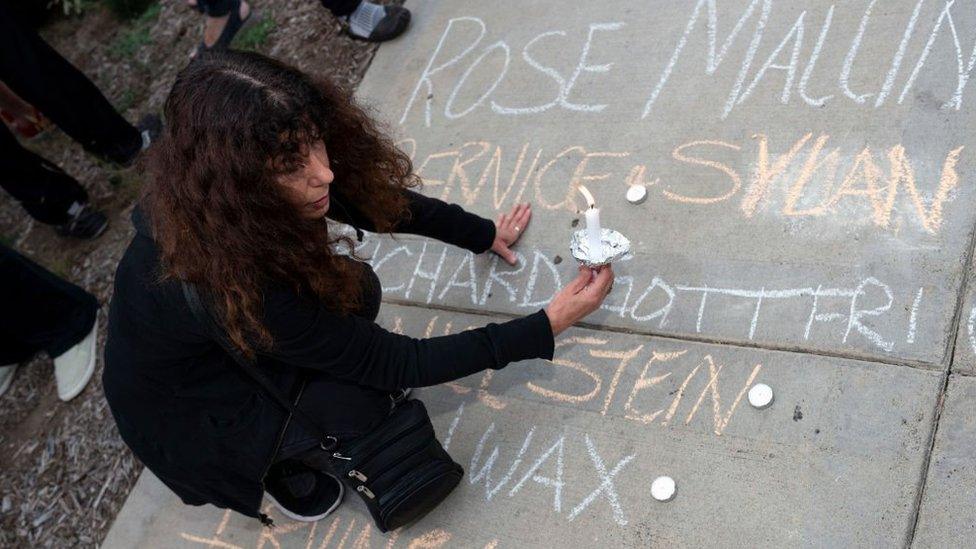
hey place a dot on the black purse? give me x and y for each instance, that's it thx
(399, 469)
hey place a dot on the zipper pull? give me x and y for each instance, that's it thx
(357, 475)
(364, 490)
(337, 455)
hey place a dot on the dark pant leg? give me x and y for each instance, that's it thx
(38, 74)
(338, 407)
(341, 7)
(41, 312)
(14, 351)
(42, 188)
(220, 8)
(215, 8)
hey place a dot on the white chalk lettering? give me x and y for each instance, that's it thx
(485, 471)
(555, 483)
(549, 71)
(606, 487)
(457, 87)
(432, 276)
(471, 282)
(429, 71)
(845, 72)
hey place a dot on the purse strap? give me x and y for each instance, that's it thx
(204, 315)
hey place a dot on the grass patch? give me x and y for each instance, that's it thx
(60, 266)
(150, 15)
(255, 35)
(127, 100)
(127, 185)
(128, 42)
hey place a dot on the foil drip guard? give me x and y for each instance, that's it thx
(615, 246)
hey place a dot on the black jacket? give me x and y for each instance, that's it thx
(205, 429)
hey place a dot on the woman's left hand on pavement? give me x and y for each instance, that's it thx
(508, 229)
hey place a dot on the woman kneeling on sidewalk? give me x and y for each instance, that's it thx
(254, 158)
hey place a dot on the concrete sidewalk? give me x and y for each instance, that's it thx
(808, 225)
(559, 453)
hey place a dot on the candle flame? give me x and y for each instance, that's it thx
(589, 197)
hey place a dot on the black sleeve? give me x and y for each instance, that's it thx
(429, 217)
(308, 335)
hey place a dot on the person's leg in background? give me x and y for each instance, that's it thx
(370, 21)
(39, 75)
(48, 194)
(222, 20)
(366, 20)
(19, 115)
(45, 313)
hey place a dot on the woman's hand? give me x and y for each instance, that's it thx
(579, 298)
(508, 229)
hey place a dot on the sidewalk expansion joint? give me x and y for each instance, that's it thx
(915, 365)
(940, 401)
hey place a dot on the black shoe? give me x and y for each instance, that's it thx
(84, 223)
(302, 493)
(393, 24)
(150, 127)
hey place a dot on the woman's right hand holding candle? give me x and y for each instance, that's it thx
(579, 298)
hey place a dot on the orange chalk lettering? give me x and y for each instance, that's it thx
(724, 168)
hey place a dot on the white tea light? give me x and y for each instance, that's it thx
(636, 194)
(760, 396)
(662, 489)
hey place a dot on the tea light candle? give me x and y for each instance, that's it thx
(663, 488)
(760, 396)
(594, 233)
(636, 194)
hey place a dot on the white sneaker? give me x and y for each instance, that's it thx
(74, 368)
(318, 503)
(6, 377)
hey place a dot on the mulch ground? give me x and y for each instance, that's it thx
(64, 471)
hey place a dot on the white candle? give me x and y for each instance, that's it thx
(594, 234)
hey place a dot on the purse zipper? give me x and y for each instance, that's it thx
(434, 470)
(416, 448)
(379, 449)
(354, 473)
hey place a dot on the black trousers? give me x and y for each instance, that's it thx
(38, 74)
(220, 8)
(42, 188)
(40, 312)
(338, 407)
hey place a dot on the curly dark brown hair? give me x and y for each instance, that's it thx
(237, 122)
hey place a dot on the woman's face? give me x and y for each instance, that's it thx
(308, 187)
